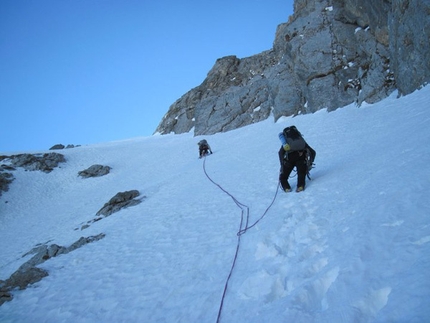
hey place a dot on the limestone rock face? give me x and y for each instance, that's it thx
(329, 54)
(409, 26)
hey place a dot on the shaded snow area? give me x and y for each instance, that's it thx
(353, 247)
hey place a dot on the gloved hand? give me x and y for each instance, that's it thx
(286, 147)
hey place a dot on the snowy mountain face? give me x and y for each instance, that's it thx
(353, 247)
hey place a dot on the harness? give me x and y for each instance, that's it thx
(307, 160)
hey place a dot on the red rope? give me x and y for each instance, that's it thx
(244, 210)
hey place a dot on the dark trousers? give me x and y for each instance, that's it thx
(295, 159)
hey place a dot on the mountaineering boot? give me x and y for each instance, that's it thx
(287, 190)
(300, 189)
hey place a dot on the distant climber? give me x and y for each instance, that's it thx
(294, 152)
(204, 148)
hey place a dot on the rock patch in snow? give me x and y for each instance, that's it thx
(61, 146)
(119, 201)
(95, 171)
(43, 162)
(5, 179)
(29, 274)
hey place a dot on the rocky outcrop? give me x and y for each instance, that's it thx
(95, 171)
(5, 179)
(119, 201)
(28, 273)
(57, 147)
(43, 162)
(61, 146)
(329, 54)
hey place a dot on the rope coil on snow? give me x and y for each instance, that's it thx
(242, 229)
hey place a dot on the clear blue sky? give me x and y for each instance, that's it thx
(90, 71)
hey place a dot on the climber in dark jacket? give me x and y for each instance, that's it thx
(290, 159)
(204, 148)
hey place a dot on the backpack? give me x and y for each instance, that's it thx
(294, 138)
(203, 144)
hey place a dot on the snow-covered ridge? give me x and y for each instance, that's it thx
(353, 247)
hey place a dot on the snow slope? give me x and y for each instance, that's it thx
(353, 247)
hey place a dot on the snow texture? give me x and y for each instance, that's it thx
(353, 247)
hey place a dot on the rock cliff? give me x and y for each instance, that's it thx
(329, 54)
